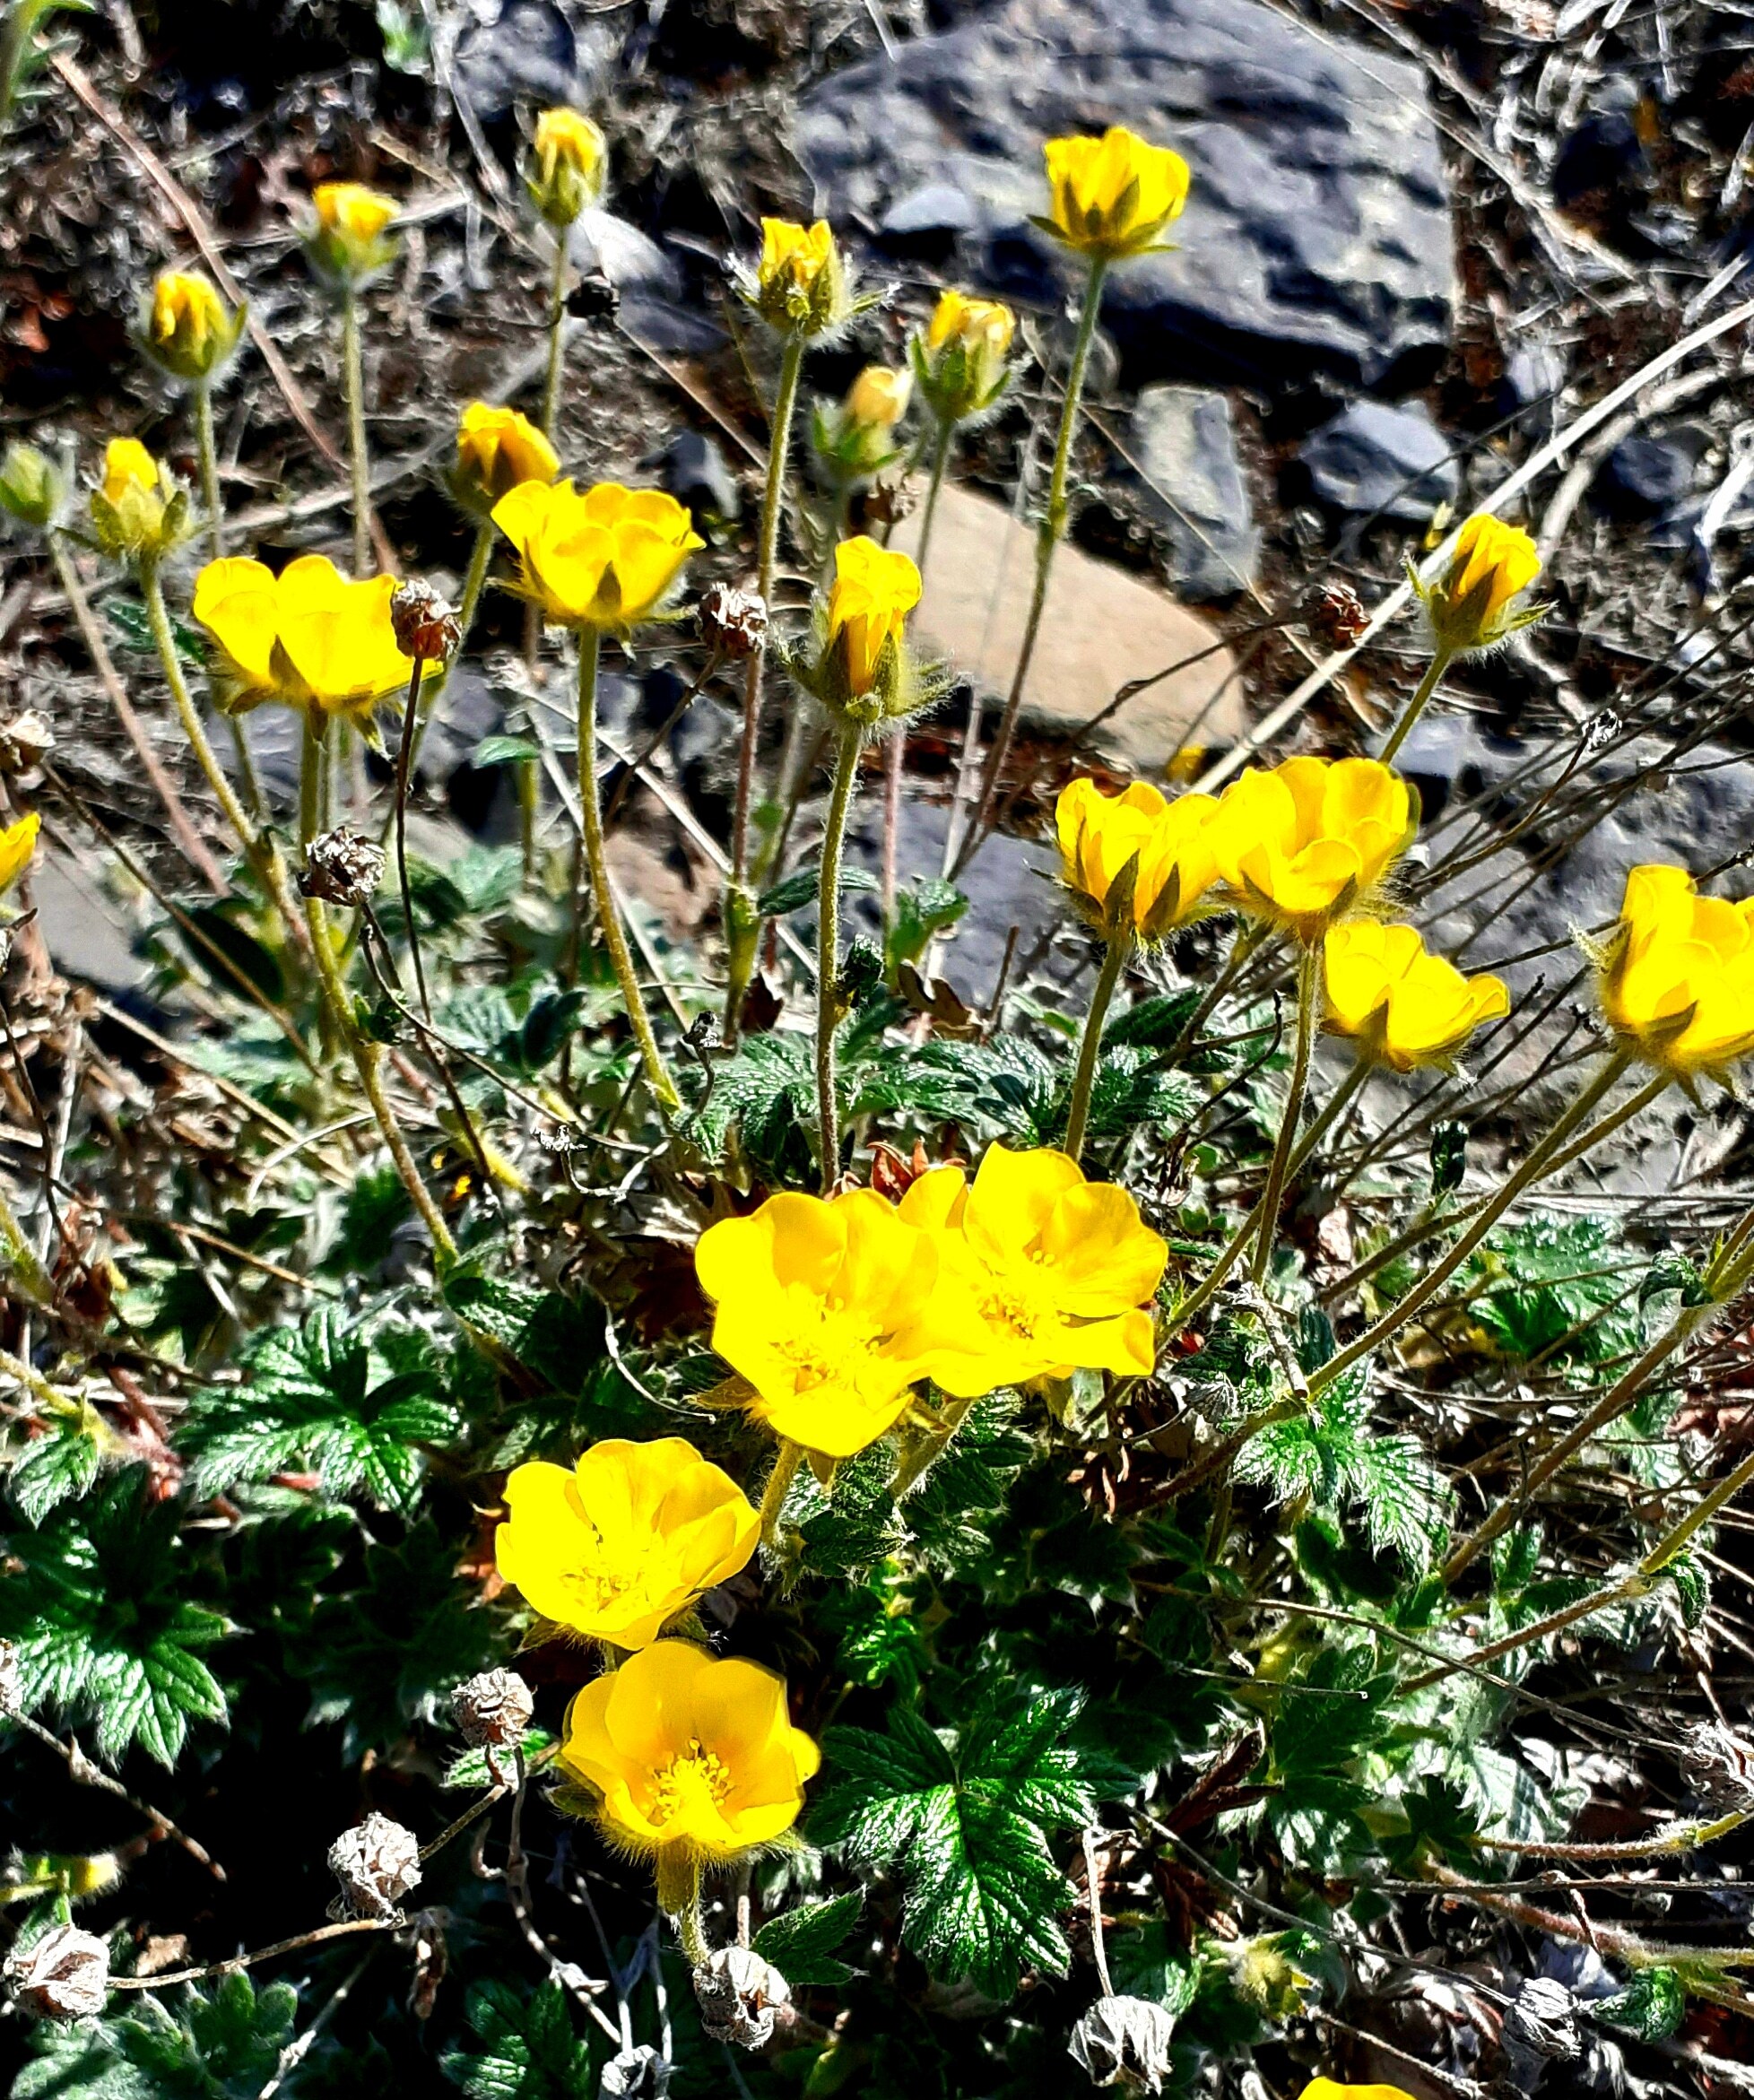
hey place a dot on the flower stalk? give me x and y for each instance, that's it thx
(557, 337)
(827, 949)
(786, 1462)
(352, 378)
(1310, 995)
(1084, 1084)
(1441, 660)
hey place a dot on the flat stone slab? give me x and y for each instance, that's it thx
(1104, 627)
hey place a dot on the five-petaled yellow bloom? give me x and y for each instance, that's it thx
(1113, 196)
(137, 508)
(18, 845)
(1402, 1006)
(874, 591)
(1307, 843)
(189, 331)
(1473, 603)
(1099, 833)
(830, 1310)
(693, 1761)
(308, 637)
(799, 285)
(1060, 1270)
(571, 159)
(1330, 2089)
(497, 450)
(616, 1546)
(1677, 973)
(960, 362)
(607, 559)
(349, 239)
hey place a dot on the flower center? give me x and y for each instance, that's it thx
(829, 1344)
(695, 1779)
(599, 1581)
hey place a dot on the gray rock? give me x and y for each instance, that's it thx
(1534, 378)
(1375, 461)
(1186, 446)
(693, 469)
(1317, 233)
(524, 52)
(1643, 477)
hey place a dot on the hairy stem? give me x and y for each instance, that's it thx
(352, 378)
(827, 952)
(1427, 685)
(557, 336)
(895, 751)
(404, 751)
(786, 1461)
(1309, 993)
(1083, 1083)
(473, 582)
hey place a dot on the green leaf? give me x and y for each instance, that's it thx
(966, 1818)
(502, 750)
(346, 1401)
(921, 912)
(61, 1462)
(529, 2050)
(223, 2047)
(1152, 1023)
(470, 1769)
(801, 1943)
(799, 889)
(105, 1629)
(1652, 2006)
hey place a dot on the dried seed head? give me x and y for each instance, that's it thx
(1718, 1765)
(342, 866)
(377, 1863)
(1339, 611)
(493, 1711)
(733, 622)
(1124, 2039)
(740, 1996)
(1544, 2020)
(636, 2074)
(887, 503)
(12, 1689)
(62, 1974)
(1601, 730)
(426, 627)
(25, 742)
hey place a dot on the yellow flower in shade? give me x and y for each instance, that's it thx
(693, 1761)
(348, 242)
(1113, 196)
(138, 508)
(874, 591)
(620, 1543)
(1328, 2089)
(607, 559)
(309, 636)
(799, 285)
(189, 331)
(1402, 1006)
(569, 166)
(1473, 603)
(1099, 833)
(18, 846)
(1061, 1270)
(961, 361)
(878, 399)
(497, 450)
(1677, 975)
(1306, 843)
(829, 1310)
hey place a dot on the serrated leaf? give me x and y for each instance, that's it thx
(1651, 2007)
(59, 1463)
(529, 2050)
(800, 1943)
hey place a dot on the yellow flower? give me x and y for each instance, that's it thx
(878, 399)
(960, 362)
(1402, 1005)
(1473, 603)
(190, 333)
(1062, 1270)
(693, 1761)
(497, 449)
(308, 637)
(1113, 196)
(1304, 844)
(18, 845)
(1329, 2089)
(1099, 833)
(799, 285)
(828, 1309)
(624, 1541)
(874, 591)
(348, 240)
(138, 508)
(607, 559)
(1677, 973)
(571, 156)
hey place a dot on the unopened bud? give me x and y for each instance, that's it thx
(25, 742)
(342, 867)
(636, 2074)
(377, 1863)
(1124, 2038)
(32, 486)
(1718, 1767)
(1543, 2019)
(427, 629)
(11, 1682)
(62, 1974)
(740, 1996)
(493, 1711)
(733, 622)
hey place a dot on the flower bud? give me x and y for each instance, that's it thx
(1123, 2038)
(636, 2074)
(799, 286)
(62, 1974)
(426, 628)
(32, 486)
(497, 449)
(960, 359)
(140, 511)
(569, 166)
(1473, 605)
(377, 1863)
(856, 439)
(25, 742)
(740, 1996)
(350, 241)
(189, 332)
(342, 866)
(493, 1710)
(733, 622)
(1543, 2019)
